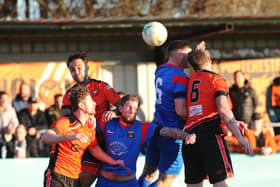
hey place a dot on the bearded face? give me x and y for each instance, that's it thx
(78, 70)
(129, 111)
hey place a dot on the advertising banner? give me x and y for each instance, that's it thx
(259, 72)
(45, 78)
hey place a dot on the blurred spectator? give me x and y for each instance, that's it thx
(54, 112)
(6, 141)
(273, 103)
(243, 97)
(34, 148)
(260, 137)
(20, 101)
(20, 142)
(7, 112)
(32, 117)
(35, 123)
(277, 141)
(16, 144)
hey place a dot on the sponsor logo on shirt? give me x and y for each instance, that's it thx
(94, 92)
(117, 148)
(195, 110)
(75, 147)
(130, 134)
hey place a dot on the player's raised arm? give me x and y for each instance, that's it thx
(51, 137)
(104, 157)
(229, 119)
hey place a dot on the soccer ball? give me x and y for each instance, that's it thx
(154, 33)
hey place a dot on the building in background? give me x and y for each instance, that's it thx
(250, 43)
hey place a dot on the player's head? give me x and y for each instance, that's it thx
(178, 51)
(78, 66)
(129, 107)
(80, 99)
(199, 59)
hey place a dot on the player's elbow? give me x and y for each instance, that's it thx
(222, 113)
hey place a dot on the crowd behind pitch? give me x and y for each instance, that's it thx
(22, 121)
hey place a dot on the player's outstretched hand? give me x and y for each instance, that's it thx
(201, 46)
(108, 115)
(190, 139)
(247, 146)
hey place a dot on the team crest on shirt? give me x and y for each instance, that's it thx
(75, 147)
(95, 92)
(130, 134)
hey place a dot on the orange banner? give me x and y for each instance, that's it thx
(45, 78)
(259, 72)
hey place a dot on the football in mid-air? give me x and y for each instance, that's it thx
(154, 33)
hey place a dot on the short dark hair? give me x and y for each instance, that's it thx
(57, 96)
(78, 94)
(80, 55)
(197, 58)
(175, 45)
(238, 71)
(2, 93)
(130, 97)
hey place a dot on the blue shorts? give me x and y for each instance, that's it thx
(104, 182)
(166, 154)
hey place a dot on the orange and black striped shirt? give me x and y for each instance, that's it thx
(204, 86)
(66, 156)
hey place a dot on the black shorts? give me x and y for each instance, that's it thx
(207, 158)
(53, 179)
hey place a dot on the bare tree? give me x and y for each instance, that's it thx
(233, 7)
(91, 9)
